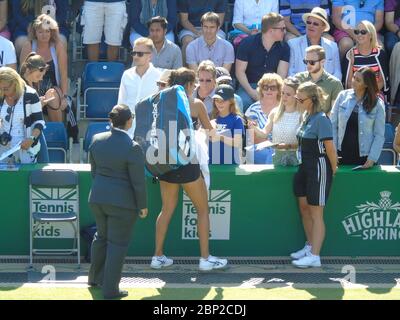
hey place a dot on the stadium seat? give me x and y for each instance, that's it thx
(389, 135)
(388, 157)
(57, 142)
(92, 129)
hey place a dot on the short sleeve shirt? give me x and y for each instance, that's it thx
(390, 6)
(259, 60)
(367, 12)
(196, 9)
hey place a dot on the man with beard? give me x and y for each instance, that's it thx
(315, 60)
(316, 24)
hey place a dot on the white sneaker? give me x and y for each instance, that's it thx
(308, 261)
(301, 253)
(212, 263)
(158, 262)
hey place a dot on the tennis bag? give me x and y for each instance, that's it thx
(164, 130)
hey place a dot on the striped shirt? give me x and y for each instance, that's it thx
(296, 8)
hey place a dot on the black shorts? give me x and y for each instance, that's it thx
(184, 174)
(313, 180)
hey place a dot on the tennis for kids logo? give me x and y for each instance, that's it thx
(219, 202)
(375, 221)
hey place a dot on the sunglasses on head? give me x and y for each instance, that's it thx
(316, 24)
(139, 53)
(161, 84)
(311, 62)
(41, 69)
(363, 32)
(270, 88)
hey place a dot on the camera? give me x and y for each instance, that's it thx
(5, 138)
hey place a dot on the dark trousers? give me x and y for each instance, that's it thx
(110, 245)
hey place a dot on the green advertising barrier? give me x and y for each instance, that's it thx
(252, 210)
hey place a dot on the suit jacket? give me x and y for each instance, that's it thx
(298, 48)
(117, 166)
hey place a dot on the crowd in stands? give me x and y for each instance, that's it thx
(262, 49)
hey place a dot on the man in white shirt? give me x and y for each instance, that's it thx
(8, 57)
(139, 81)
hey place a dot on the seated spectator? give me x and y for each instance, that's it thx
(358, 121)
(367, 52)
(166, 54)
(283, 122)
(270, 92)
(108, 15)
(392, 24)
(316, 24)
(43, 38)
(293, 11)
(142, 11)
(4, 19)
(209, 46)
(395, 75)
(225, 147)
(396, 142)
(25, 11)
(315, 62)
(247, 15)
(224, 77)
(206, 75)
(347, 14)
(162, 83)
(32, 71)
(139, 81)
(190, 13)
(261, 53)
(8, 57)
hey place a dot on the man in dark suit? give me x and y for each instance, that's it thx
(117, 197)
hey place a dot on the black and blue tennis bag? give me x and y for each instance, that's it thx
(164, 130)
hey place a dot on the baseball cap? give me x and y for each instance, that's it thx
(224, 92)
(222, 74)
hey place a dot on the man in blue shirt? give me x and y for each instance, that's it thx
(261, 53)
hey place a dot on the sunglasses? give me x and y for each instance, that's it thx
(301, 100)
(161, 84)
(312, 62)
(363, 32)
(362, 3)
(139, 53)
(315, 24)
(269, 88)
(9, 110)
(205, 80)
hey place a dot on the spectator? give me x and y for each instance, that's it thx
(209, 46)
(43, 38)
(225, 147)
(358, 121)
(283, 122)
(142, 11)
(270, 92)
(107, 15)
(293, 11)
(315, 62)
(206, 74)
(224, 77)
(190, 13)
(395, 75)
(167, 55)
(347, 14)
(4, 19)
(162, 83)
(259, 54)
(392, 23)
(367, 52)
(247, 15)
(21, 118)
(316, 24)
(396, 142)
(313, 179)
(8, 57)
(139, 81)
(25, 11)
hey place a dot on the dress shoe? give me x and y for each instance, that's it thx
(120, 294)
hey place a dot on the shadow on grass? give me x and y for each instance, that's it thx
(183, 294)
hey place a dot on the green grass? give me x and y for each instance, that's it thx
(48, 293)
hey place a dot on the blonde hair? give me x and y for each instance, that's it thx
(315, 93)
(269, 21)
(320, 51)
(11, 76)
(145, 41)
(268, 78)
(207, 66)
(372, 31)
(45, 22)
(293, 83)
(233, 108)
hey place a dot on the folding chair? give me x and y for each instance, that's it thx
(54, 201)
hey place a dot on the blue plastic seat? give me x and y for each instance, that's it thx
(57, 141)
